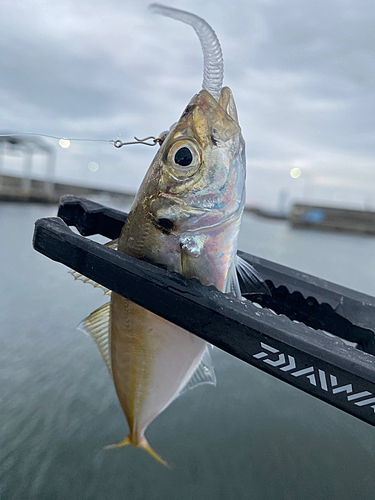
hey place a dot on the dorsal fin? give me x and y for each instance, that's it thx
(97, 325)
(78, 276)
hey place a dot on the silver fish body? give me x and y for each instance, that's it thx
(186, 216)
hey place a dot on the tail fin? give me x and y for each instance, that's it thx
(145, 446)
(124, 442)
(143, 443)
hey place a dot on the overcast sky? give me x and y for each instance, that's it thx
(302, 73)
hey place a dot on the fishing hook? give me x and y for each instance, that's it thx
(155, 140)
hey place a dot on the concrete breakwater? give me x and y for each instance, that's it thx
(332, 219)
(26, 190)
(322, 218)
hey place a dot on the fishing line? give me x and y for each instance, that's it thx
(116, 143)
(52, 137)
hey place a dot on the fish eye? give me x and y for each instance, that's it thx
(183, 157)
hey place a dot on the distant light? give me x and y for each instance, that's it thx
(93, 166)
(64, 143)
(295, 173)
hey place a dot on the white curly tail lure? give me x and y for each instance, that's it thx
(213, 69)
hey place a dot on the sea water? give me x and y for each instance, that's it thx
(251, 437)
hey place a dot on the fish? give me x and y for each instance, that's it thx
(185, 216)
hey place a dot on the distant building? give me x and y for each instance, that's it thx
(28, 146)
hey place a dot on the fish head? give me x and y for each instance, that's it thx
(197, 179)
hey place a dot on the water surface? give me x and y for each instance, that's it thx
(250, 437)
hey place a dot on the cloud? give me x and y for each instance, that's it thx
(302, 75)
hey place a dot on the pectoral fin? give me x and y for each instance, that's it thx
(251, 282)
(232, 285)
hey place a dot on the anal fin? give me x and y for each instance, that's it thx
(204, 374)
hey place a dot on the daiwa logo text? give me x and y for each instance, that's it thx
(316, 377)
